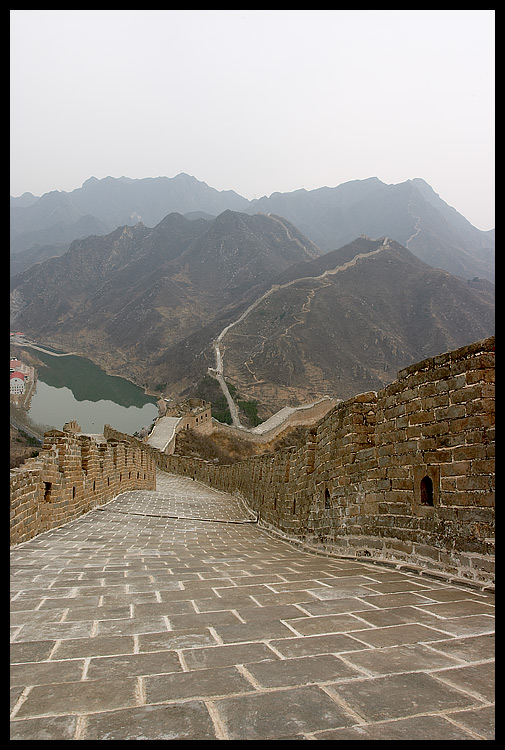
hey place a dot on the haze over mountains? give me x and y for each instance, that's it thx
(330, 312)
(410, 212)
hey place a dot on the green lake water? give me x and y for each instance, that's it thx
(73, 387)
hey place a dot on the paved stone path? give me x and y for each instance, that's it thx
(172, 615)
(163, 432)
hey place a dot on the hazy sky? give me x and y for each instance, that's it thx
(256, 101)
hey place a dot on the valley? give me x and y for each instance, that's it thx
(218, 371)
(276, 316)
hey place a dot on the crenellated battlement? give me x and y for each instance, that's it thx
(405, 474)
(73, 474)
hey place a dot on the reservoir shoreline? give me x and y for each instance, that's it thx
(80, 389)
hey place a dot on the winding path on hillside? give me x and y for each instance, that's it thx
(417, 225)
(218, 371)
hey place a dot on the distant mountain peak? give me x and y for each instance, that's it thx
(410, 212)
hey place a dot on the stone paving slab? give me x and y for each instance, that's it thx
(163, 432)
(171, 615)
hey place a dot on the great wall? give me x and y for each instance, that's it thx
(402, 476)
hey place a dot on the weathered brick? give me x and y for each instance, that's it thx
(428, 434)
(469, 393)
(469, 452)
(52, 481)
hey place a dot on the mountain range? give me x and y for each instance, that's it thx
(345, 323)
(150, 303)
(410, 212)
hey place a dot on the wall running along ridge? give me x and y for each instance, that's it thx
(405, 474)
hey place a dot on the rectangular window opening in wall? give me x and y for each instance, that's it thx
(426, 486)
(47, 492)
(426, 491)
(327, 503)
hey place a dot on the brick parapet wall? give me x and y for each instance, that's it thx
(357, 486)
(265, 432)
(72, 475)
(437, 421)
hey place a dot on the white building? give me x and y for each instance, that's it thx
(17, 383)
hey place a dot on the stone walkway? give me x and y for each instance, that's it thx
(163, 432)
(172, 615)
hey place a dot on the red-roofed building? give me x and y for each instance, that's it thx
(18, 366)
